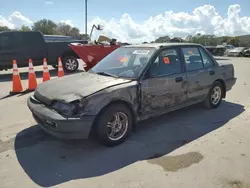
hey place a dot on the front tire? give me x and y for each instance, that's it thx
(214, 96)
(114, 125)
(70, 64)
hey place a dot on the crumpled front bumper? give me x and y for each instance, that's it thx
(57, 125)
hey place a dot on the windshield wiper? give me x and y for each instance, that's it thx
(107, 74)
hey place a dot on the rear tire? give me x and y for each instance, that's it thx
(110, 132)
(214, 96)
(70, 64)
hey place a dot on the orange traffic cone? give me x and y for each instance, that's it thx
(32, 77)
(60, 68)
(16, 80)
(46, 75)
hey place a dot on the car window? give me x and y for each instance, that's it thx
(207, 61)
(192, 58)
(124, 62)
(168, 62)
(140, 60)
(7, 40)
(4, 42)
(32, 39)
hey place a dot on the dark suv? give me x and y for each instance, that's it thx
(21, 46)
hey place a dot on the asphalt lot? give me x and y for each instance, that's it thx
(192, 147)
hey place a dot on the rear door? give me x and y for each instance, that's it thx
(200, 72)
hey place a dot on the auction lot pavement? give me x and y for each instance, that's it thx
(192, 147)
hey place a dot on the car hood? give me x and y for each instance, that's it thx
(74, 87)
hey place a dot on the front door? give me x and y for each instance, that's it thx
(33, 47)
(165, 87)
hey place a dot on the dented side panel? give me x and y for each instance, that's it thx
(125, 92)
(160, 94)
(199, 83)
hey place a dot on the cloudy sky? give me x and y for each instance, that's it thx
(135, 20)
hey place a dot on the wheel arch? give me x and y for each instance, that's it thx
(223, 87)
(113, 102)
(69, 53)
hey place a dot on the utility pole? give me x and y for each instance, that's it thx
(86, 18)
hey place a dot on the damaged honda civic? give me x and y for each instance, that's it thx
(133, 83)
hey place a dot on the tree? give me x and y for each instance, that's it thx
(223, 39)
(45, 26)
(63, 29)
(75, 32)
(207, 40)
(176, 39)
(162, 39)
(67, 30)
(233, 41)
(4, 28)
(189, 38)
(25, 28)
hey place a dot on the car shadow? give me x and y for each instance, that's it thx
(49, 161)
(25, 75)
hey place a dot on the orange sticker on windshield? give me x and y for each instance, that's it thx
(166, 60)
(123, 60)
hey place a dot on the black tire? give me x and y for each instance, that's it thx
(101, 129)
(208, 101)
(70, 68)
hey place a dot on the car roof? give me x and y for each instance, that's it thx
(19, 32)
(159, 45)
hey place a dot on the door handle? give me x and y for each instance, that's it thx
(178, 79)
(212, 72)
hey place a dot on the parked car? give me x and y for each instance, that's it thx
(216, 50)
(247, 52)
(21, 46)
(228, 48)
(236, 52)
(133, 83)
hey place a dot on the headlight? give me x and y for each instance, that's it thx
(72, 108)
(64, 108)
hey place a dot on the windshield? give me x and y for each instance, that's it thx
(125, 62)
